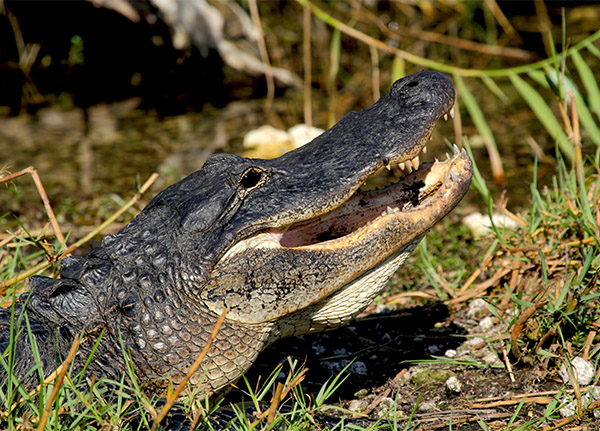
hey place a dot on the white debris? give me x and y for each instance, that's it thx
(358, 367)
(481, 224)
(385, 405)
(358, 406)
(582, 370)
(453, 384)
(486, 323)
(450, 353)
(267, 142)
(475, 341)
(302, 134)
(570, 403)
(268, 139)
(476, 306)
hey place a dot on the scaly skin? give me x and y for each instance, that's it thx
(287, 246)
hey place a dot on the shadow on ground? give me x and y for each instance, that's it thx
(381, 345)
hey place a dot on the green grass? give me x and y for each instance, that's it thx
(550, 312)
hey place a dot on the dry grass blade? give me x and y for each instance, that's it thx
(306, 58)
(173, 397)
(280, 395)
(42, 191)
(502, 20)
(31, 271)
(520, 324)
(429, 36)
(58, 383)
(262, 47)
(275, 403)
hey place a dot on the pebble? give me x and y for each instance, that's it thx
(486, 324)
(475, 341)
(476, 306)
(453, 384)
(481, 224)
(582, 369)
(387, 406)
(450, 353)
(428, 406)
(358, 406)
(570, 404)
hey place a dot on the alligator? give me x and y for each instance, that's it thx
(283, 247)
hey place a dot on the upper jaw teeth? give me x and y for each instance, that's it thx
(451, 112)
(413, 164)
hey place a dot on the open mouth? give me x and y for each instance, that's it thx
(418, 186)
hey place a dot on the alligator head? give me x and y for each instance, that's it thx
(284, 246)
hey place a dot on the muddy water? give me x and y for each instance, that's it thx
(117, 146)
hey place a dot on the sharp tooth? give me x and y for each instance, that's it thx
(456, 150)
(416, 162)
(388, 167)
(389, 210)
(408, 167)
(452, 112)
(436, 159)
(445, 116)
(453, 176)
(425, 149)
(401, 166)
(447, 156)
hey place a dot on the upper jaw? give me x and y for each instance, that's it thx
(327, 171)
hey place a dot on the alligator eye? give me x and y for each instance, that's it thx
(252, 178)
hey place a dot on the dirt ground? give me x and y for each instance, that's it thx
(391, 373)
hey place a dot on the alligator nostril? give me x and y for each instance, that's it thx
(412, 84)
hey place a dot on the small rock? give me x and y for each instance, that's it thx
(301, 134)
(385, 406)
(453, 384)
(358, 367)
(361, 393)
(433, 350)
(582, 369)
(428, 406)
(570, 404)
(476, 341)
(476, 306)
(492, 359)
(358, 406)
(267, 142)
(481, 224)
(486, 323)
(450, 353)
